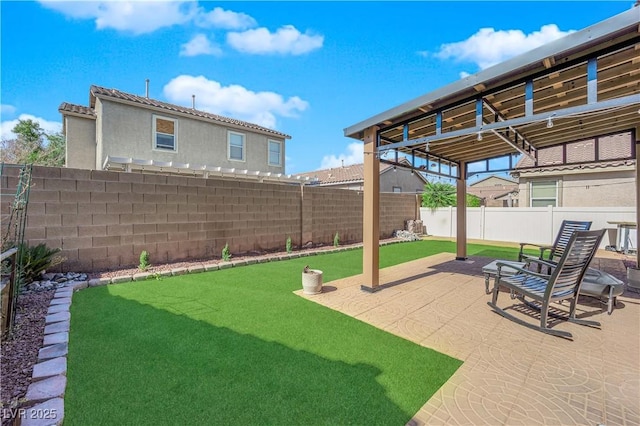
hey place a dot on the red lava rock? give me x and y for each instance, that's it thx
(20, 349)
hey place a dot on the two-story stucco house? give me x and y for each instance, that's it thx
(122, 125)
(591, 172)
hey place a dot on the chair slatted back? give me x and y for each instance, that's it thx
(567, 228)
(568, 274)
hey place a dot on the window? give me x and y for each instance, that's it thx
(164, 133)
(544, 193)
(275, 153)
(397, 189)
(236, 146)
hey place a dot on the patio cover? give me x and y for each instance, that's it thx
(580, 86)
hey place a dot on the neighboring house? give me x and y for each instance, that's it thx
(122, 125)
(587, 173)
(495, 191)
(392, 179)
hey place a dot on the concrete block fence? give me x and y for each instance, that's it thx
(105, 219)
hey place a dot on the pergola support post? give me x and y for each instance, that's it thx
(461, 213)
(371, 213)
(637, 137)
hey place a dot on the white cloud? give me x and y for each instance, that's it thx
(225, 19)
(6, 109)
(137, 17)
(47, 126)
(234, 101)
(286, 40)
(353, 155)
(199, 45)
(488, 47)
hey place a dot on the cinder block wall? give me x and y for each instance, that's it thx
(103, 219)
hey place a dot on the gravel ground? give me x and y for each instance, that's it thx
(20, 349)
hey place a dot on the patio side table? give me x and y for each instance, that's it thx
(491, 270)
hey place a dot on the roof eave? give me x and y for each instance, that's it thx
(273, 134)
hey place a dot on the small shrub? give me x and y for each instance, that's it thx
(144, 261)
(336, 240)
(35, 260)
(289, 245)
(226, 254)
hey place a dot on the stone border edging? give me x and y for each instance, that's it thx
(49, 377)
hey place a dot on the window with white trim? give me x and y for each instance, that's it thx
(544, 193)
(397, 189)
(275, 153)
(164, 133)
(236, 146)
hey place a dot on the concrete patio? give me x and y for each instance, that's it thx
(511, 374)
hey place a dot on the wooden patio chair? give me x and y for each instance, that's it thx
(563, 283)
(554, 252)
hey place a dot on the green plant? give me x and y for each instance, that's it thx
(336, 240)
(289, 245)
(226, 254)
(438, 194)
(34, 260)
(144, 261)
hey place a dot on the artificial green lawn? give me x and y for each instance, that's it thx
(236, 346)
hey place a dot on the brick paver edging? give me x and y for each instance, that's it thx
(49, 378)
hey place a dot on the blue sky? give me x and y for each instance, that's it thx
(308, 69)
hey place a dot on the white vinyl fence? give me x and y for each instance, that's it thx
(527, 224)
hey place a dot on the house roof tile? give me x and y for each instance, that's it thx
(345, 174)
(77, 109)
(613, 151)
(102, 92)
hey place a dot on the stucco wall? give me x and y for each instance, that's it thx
(587, 189)
(401, 178)
(80, 136)
(127, 131)
(104, 219)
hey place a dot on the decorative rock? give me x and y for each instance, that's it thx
(211, 267)
(53, 387)
(52, 339)
(179, 271)
(123, 279)
(58, 308)
(48, 413)
(61, 301)
(196, 269)
(57, 317)
(57, 327)
(53, 351)
(99, 281)
(53, 367)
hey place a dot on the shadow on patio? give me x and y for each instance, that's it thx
(511, 374)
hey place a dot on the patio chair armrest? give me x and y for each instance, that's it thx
(540, 247)
(519, 270)
(540, 262)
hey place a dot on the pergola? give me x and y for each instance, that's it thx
(581, 86)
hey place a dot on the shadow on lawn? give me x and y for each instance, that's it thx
(158, 367)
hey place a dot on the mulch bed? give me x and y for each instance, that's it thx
(20, 348)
